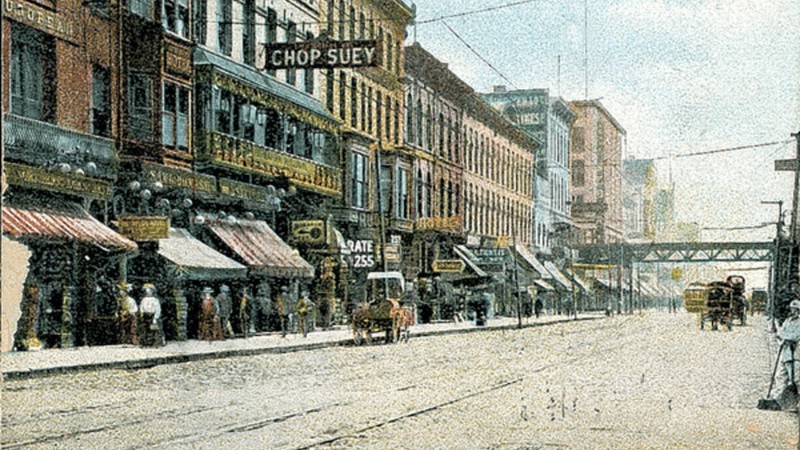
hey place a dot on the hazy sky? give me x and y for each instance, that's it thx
(681, 76)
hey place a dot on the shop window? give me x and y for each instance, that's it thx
(140, 106)
(401, 207)
(32, 80)
(358, 180)
(175, 16)
(175, 117)
(101, 103)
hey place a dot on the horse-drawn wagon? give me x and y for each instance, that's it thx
(383, 311)
(711, 302)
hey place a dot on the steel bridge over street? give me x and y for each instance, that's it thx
(676, 252)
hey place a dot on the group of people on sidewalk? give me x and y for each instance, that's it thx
(140, 324)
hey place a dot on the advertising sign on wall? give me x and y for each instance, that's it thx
(322, 55)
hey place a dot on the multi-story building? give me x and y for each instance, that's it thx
(640, 183)
(59, 128)
(547, 119)
(597, 150)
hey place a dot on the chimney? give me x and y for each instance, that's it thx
(499, 89)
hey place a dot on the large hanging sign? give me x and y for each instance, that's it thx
(309, 231)
(322, 55)
(143, 228)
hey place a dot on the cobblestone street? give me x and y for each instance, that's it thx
(651, 381)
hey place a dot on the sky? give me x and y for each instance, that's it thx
(681, 76)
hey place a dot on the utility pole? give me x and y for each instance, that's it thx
(793, 230)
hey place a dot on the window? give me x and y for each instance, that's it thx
(388, 118)
(308, 77)
(140, 107)
(175, 117)
(396, 136)
(401, 207)
(31, 63)
(420, 191)
(352, 22)
(272, 31)
(291, 38)
(249, 33)
(363, 106)
(200, 20)
(378, 113)
(329, 83)
(225, 26)
(362, 26)
(101, 101)
(385, 189)
(369, 110)
(342, 96)
(142, 8)
(578, 173)
(389, 52)
(358, 180)
(175, 16)
(341, 21)
(353, 102)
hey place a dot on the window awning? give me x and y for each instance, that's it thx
(544, 285)
(557, 275)
(261, 248)
(531, 260)
(67, 221)
(467, 256)
(197, 261)
(579, 281)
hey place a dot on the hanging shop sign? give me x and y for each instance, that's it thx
(309, 231)
(392, 253)
(491, 259)
(322, 55)
(448, 265)
(143, 228)
(65, 183)
(452, 223)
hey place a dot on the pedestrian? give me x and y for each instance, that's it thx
(263, 308)
(303, 307)
(244, 312)
(225, 305)
(127, 316)
(790, 334)
(281, 307)
(151, 330)
(538, 306)
(210, 328)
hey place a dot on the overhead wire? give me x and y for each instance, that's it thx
(475, 52)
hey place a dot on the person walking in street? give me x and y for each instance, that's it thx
(225, 304)
(303, 307)
(152, 333)
(128, 312)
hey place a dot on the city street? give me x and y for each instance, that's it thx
(650, 381)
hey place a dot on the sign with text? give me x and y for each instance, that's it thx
(361, 254)
(308, 231)
(143, 228)
(448, 265)
(322, 55)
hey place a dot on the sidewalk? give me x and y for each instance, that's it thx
(18, 365)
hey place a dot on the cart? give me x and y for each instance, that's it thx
(383, 311)
(711, 302)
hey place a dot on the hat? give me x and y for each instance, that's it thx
(224, 288)
(795, 304)
(208, 290)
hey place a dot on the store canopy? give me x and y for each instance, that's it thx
(58, 220)
(559, 277)
(529, 258)
(579, 281)
(197, 261)
(544, 285)
(467, 256)
(261, 248)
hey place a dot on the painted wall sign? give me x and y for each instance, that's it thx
(322, 55)
(143, 228)
(40, 18)
(177, 59)
(242, 190)
(182, 178)
(448, 265)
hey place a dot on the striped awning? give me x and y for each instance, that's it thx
(63, 221)
(261, 248)
(195, 260)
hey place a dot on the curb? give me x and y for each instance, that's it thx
(146, 363)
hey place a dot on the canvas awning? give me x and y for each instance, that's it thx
(530, 260)
(261, 248)
(579, 281)
(559, 277)
(195, 260)
(467, 256)
(544, 285)
(64, 221)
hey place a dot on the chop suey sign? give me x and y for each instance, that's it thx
(322, 55)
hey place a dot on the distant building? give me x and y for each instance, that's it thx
(639, 199)
(547, 119)
(597, 150)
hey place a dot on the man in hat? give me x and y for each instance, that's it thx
(303, 308)
(225, 304)
(790, 334)
(209, 327)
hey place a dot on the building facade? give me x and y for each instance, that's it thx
(640, 184)
(598, 146)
